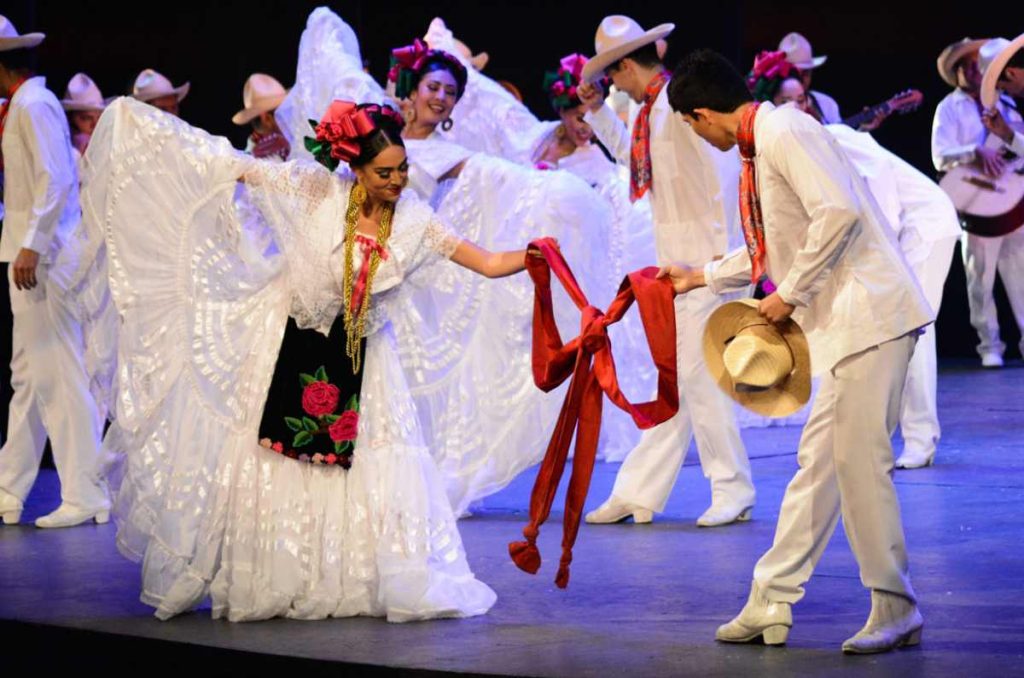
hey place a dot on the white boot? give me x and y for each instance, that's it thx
(10, 508)
(915, 459)
(615, 510)
(759, 618)
(724, 515)
(69, 516)
(894, 622)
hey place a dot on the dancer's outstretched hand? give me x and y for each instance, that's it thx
(684, 278)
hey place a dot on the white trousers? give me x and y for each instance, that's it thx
(983, 258)
(649, 472)
(919, 416)
(846, 466)
(50, 398)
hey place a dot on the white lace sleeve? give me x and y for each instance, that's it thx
(304, 204)
(330, 67)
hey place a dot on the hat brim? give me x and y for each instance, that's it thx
(246, 115)
(780, 400)
(180, 92)
(594, 68)
(990, 78)
(946, 63)
(21, 42)
(73, 106)
(812, 64)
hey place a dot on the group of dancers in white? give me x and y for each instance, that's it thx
(304, 394)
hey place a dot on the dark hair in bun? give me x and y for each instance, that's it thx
(387, 132)
(438, 60)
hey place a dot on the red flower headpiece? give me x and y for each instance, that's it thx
(769, 68)
(406, 63)
(561, 85)
(342, 126)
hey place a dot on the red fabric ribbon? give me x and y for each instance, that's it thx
(588, 360)
(573, 65)
(750, 201)
(407, 57)
(640, 172)
(344, 124)
(367, 246)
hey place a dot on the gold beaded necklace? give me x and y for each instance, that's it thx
(356, 324)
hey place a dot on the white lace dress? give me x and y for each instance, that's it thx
(202, 310)
(465, 342)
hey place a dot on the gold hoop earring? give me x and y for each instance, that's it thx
(409, 112)
(359, 194)
(560, 131)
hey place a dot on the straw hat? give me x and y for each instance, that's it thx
(152, 85)
(619, 36)
(798, 52)
(82, 94)
(992, 59)
(946, 63)
(763, 366)
(262, 93)
(11, 39)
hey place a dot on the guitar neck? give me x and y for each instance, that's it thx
(858, 119)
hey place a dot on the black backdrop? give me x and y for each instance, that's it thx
(874, 51)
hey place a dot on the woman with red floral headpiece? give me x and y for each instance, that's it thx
(279, 471)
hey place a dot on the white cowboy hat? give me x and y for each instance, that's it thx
(763, 366)
(10, 39)
(262, 93)
(948, 58)
(798, 52)
(152, 85)
(82, 94)
(619, 36)
(992, 60)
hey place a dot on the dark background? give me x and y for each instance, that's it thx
(874, 50)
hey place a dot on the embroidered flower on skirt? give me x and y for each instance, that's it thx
(312, 409)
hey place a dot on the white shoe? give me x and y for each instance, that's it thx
(614, 510)
(894, 622)
(10, 508)
(991, 360)
(69, 516)
(915, 459)
(724, 515)
(759, 618)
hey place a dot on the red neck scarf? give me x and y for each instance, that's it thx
(640, 177)
(4, 110)
(750, 201)
(587, 359)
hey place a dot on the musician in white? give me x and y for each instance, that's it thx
(48, 377)
(958, 136)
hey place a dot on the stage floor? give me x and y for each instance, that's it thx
(643, 600)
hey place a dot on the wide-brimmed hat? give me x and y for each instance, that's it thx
(765, 367)
(153, 85)
(992, 59)
(619, 36)
(799, 53)
(948, 58)
(82, 94)
(262, 93)
(11, 39)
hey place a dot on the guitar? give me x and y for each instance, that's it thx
(988, 206)
(904, 102)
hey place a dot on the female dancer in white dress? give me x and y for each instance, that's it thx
(481, 431)
(282, 528)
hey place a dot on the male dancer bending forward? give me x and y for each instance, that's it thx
(812, 228)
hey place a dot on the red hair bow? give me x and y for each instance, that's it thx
(407, 57)
(771, 65)
(573, 65)
(342, 126)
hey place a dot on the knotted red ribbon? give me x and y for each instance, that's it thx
(367, 246)
(588, 360)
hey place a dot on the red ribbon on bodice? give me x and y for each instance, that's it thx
(367, 246)
(588, 360)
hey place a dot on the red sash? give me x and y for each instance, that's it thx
(588, 360)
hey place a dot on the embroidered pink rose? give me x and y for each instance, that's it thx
(320, 398)
(346, 427)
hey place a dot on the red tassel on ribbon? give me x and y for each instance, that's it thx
(588, 360)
